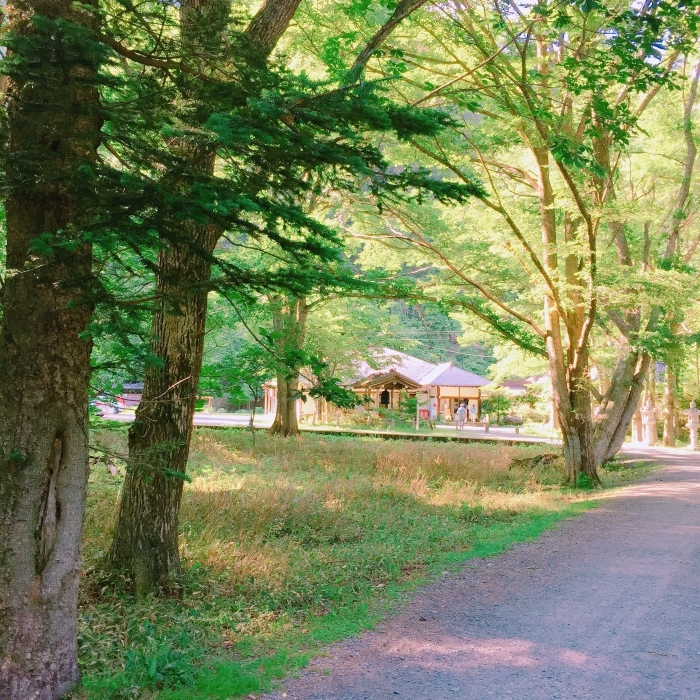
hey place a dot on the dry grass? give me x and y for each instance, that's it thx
(278, 534)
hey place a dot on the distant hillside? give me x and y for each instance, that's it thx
(427, 333)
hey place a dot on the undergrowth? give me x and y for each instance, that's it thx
(288, 545)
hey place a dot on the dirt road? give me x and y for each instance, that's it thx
(605, 607)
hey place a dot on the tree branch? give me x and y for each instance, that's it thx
(403, 10)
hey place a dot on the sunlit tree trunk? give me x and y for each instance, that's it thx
(569, 375)
(145, 543)
(637, 425)
(53, 123)
(619, 404)
(289, 324)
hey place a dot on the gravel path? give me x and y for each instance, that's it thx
(605, 607)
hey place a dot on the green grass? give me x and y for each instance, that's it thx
(290, 545)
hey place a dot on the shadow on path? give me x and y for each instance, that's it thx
(605, 607)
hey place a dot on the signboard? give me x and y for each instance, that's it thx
(459, 392)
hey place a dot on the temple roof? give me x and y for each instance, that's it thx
(455, 376)
(419, 371)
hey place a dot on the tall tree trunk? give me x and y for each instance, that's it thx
(145, 543)
(54, 123)
(572, 403)
(286, 422)
(569, 374)
(289, 323)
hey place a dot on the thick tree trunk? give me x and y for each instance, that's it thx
(289, 323)
(572, 403)
(54, 123)
(569, 375)
(611, 431)
(270, 23)
(145, 543)
(588, 442)
(285, 422)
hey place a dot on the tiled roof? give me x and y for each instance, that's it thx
(386, 377)
(420, 371)
(435, 372)
(409, 366)
(454, 376)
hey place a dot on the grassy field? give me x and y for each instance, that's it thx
(289, 545)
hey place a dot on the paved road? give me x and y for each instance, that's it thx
(607, 607)
(222, 420)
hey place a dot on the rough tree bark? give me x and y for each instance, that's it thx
(621, 401)
(54, 131)
(289, 324)
(145, 543)
(568, 368)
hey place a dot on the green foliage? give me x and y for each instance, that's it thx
(329, 388)
(583, 481)
(162, 662)
(408, 405)
(497, 403)
(531, 397)
(281, 139)
(240, 374)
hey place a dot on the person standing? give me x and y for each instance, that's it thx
(461, 416)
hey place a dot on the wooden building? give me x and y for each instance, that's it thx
(440, 388)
